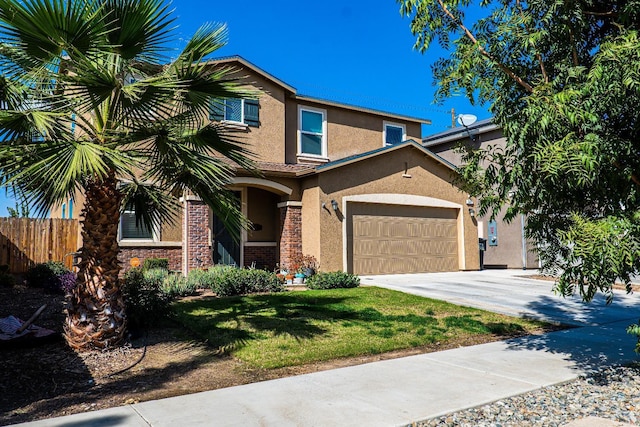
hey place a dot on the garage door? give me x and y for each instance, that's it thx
(390, 239)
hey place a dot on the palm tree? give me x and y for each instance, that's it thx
(89, 103)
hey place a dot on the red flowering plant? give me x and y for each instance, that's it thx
(304, 264)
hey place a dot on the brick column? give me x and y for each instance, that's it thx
(196, 245)
(290, 243)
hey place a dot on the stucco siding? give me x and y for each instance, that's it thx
(266, 141)
(406, 171)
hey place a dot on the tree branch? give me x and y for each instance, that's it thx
(484, 52)
(611, 13)
(543, 69)
(634, 177)
(574, 52)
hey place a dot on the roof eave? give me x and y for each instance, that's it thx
(361, 109)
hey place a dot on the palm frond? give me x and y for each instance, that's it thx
(138, 29)
(153, 204)
(50, 172)
(45, 29)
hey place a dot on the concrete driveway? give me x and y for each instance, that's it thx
(512, 292)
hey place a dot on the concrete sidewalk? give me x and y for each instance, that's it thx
(387, 393)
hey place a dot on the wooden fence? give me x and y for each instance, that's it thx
(25, 242)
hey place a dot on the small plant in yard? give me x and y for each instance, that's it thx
(144, 298)
(153, 263)
(242, 281)
(176, 285)
(7, 280)
(48, 275)
(333, 280)
(68, 281)
(198, 278)
(304, 264)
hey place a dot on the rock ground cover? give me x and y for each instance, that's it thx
(612, 393)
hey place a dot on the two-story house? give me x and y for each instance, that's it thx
(506, 244)
(346, 184)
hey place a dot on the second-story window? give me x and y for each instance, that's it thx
(235, 110)
(312, 132)
(394, 133)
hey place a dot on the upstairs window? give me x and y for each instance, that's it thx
(235, 110)
(394, 133)
(312, 132)
(129, 230)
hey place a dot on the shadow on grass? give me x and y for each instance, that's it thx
(231, 323)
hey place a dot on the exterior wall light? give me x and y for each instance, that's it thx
(472, 212)
(334, 205)
(469, 202)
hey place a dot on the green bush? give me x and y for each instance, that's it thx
(198, 279)
(333, 280)
(46, 275)
(242, 281)
(175, 285)
(7, 280)
(153, 263)
(155, 276)
(144, 298)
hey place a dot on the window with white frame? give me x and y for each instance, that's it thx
(394, 133)
(235, 110)
(130, 230)
(312, 132)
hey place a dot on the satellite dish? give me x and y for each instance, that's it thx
(466, 119)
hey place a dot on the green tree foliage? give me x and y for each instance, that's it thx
(562, 79)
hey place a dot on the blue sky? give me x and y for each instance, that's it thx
(358, 52)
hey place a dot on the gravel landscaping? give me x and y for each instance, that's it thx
(613, 393)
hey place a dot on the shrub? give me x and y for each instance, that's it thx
(155, 276)
(333, 280)
(198, 279)
(242, 281)
(175, 285)
(7, 280)
(144, 299)
(154, 263)
(4, 268)
(68, 281)
(47, 275)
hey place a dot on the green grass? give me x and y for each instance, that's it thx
(293, 328)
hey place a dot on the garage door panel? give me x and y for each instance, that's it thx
(398, 239)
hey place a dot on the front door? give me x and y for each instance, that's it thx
(226, 250)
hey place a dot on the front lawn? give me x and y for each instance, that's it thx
(295, 328)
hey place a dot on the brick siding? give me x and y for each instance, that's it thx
(196, 226)
(290, 234)
(263, 256)
(174, 254)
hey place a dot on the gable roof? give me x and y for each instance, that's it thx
(253, 67)
(377, 152)
(361, 109)
(295, 95)
(457, 133)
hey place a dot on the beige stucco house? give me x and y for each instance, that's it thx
(346, 184)
(506, 245)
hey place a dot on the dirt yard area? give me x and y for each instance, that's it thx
(51, 380)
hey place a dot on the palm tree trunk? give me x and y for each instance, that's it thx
(95, 311)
